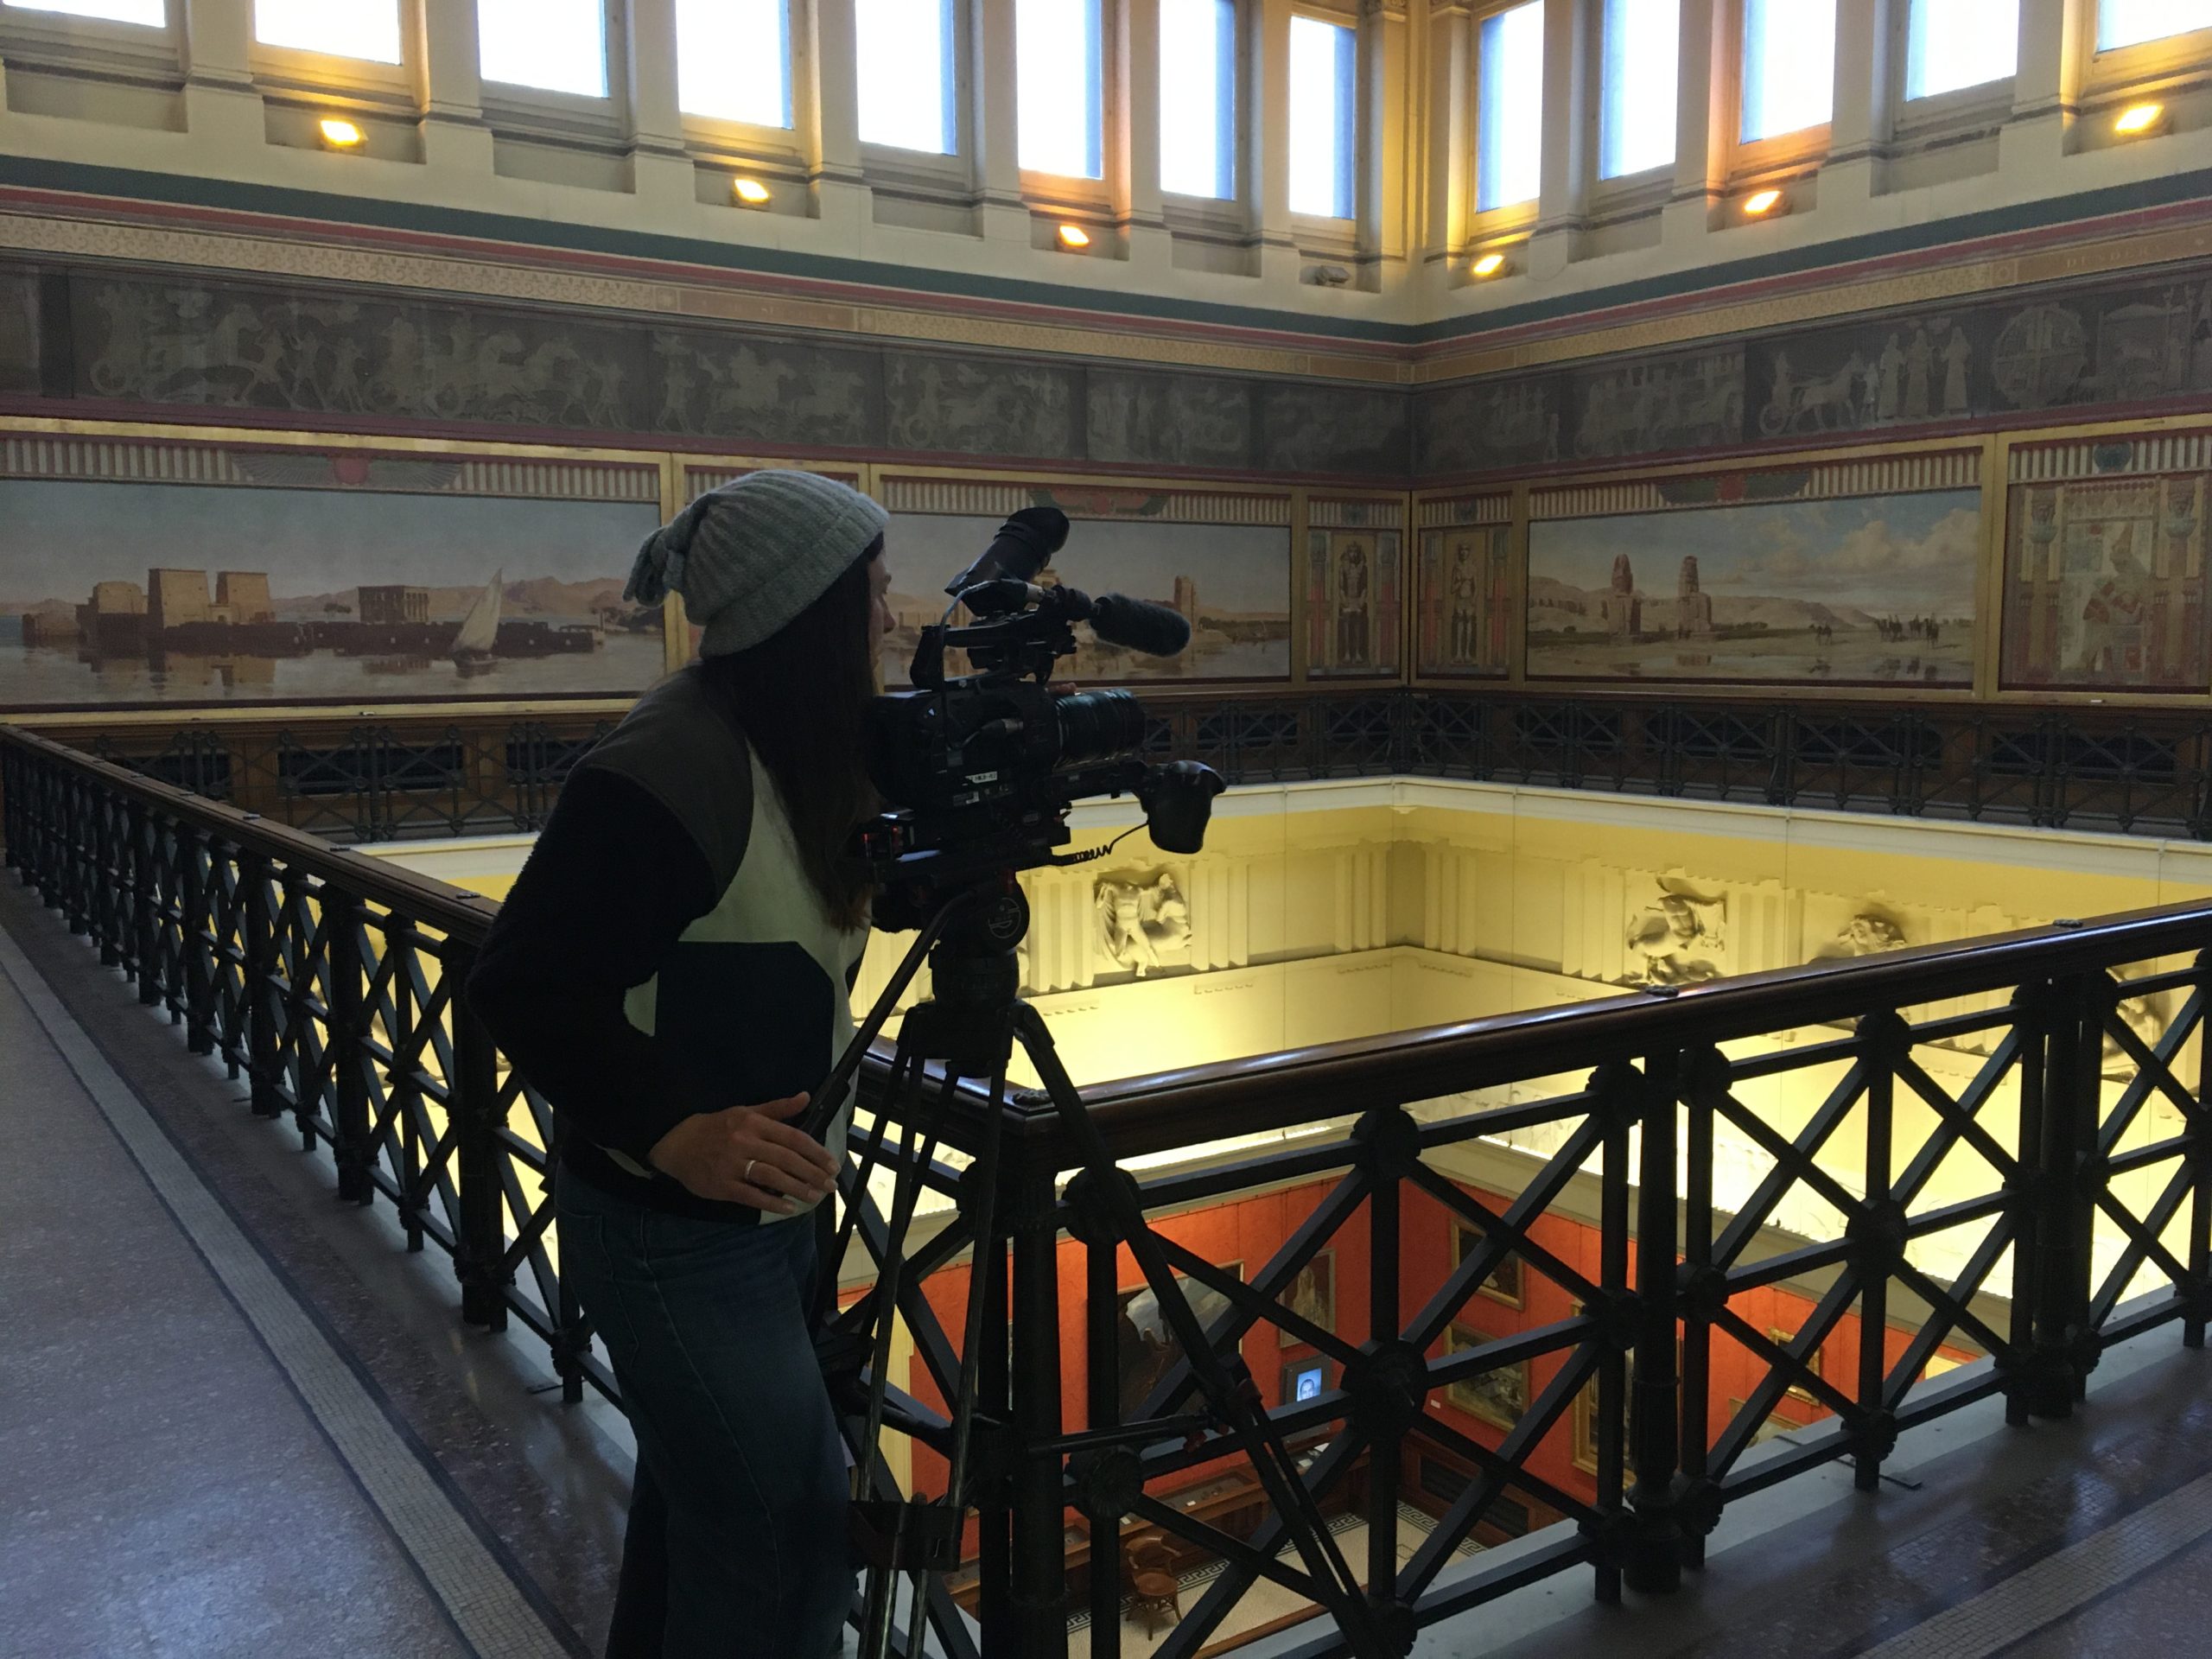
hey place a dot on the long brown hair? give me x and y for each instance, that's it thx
(802, 696)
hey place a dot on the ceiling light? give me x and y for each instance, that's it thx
(1074, 236)
(751, 192)
(338, 134)
(1490, 265)
(2139, 118)
(1760, 202)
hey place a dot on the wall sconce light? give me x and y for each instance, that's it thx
(751, 192)
(1761, 203)
(2138, 120)
(339, 134)
(1073, 238)
(1490, 265)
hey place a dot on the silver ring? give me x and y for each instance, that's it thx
(747, 1177)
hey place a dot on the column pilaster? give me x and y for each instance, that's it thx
(1563, 201)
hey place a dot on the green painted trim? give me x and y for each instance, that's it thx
(33, 173)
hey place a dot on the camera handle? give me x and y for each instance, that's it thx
(969, 1027)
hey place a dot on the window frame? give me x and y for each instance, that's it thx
(1334, 230)
(1487, 223)
(300, 69)
(721, 142)
(547, 112)
(1201, 208)
(943, 170)
(1626, 195)
(58, 42)
(1780, 151)
(1075, 190)
(1961, 112)
(2161, 54)
(2145, 69)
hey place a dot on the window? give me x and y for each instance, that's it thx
(1510, 118)
(907, 74)
(1789, 65)
(1059, 88)
(2130, 23)
(154, 14)
(1637, 119)
(1197, 97)
(560, 45)
(1955, 43)
(1322, 58)
(734, 60)
(362, 29)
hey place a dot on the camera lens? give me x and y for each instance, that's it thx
(1099, 726)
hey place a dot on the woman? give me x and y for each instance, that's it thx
(671, 970)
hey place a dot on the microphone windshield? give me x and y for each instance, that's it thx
(1140, 625)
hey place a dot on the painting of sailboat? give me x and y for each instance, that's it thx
(480, 629)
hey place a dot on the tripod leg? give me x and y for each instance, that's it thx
(1336, 1587)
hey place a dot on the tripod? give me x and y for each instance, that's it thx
(969, 1027)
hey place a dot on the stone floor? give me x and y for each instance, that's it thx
(237, 1417)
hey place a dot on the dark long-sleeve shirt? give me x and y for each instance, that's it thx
(614, 880)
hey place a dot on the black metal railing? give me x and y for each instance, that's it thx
(2144, 772)
(1970, 1168)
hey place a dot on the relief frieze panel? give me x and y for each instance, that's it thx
(19, 367)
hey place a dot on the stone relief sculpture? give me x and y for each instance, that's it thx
(740, 388)
(1661, 405)
(1868, 933)
(975, 407)
(1174, 419)
(1143, 920)
(1681, 937)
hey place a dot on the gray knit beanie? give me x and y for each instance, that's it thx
(750, 554)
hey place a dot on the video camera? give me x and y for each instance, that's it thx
(978, 771)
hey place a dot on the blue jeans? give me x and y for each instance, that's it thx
(735, 1548)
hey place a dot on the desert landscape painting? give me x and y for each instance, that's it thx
(1871, 591)
(1231, 583)
(305, 595)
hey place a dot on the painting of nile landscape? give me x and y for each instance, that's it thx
(1874, 591)
(126, 593)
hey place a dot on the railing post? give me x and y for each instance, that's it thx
(1878, 1239)
(349, 1107)
(1392, 1141)
(1707, 1078)
(994, 1508)
(1103, 1393)
(196, 944)
(481, 1246)
(1654, 1564)
(1039, 1506)
(109, 869)
(262, 1015)
(2062, 1341)
(145, 891)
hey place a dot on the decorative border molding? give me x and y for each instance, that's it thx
(992, 498)
(698, 479)
(152, 460)
(1354, 512)
(2156, 452)
(1445, 512)
(1825, 481)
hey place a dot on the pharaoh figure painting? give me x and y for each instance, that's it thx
(1868, 590)
(268, 594)
(1465, 619)
(1229, 582)
(2104, 584)
(1353, 611)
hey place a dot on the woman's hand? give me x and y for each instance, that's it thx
(748, 1154)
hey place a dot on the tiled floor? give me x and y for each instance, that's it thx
(236, 1417)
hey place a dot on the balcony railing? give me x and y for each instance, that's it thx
(1593, 1274)
(2141, 771)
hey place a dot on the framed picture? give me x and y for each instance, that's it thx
(1586, 1415)
(1498, 1397)
(1503, 1283)
(1306, 1379)
(1781, 1338)
(1149, 1349)
(1313, 1295)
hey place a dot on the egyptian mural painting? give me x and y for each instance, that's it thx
(299, 577)
(2104, 584)
(1777, 577)
(1221, 561)
(1353, 555)
(1465, 618)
